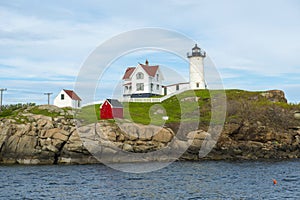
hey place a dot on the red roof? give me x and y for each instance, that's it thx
(150, 70)
(72, 94)
(128, 72)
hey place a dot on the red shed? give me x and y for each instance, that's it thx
(110, 109)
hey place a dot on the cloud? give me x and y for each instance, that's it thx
(245, 39)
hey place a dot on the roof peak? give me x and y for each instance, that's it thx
(115, 103)
(196, 47)
(150, 70)
(72, 94)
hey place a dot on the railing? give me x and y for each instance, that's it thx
(144, 100)
(151, 100)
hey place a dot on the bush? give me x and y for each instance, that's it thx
(8, 110)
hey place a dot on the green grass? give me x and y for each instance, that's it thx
(89, 114)
(6, 113)
(15, 112)
(179, 110)
(14, 109)
(185, 107)
(38, 111)
(176, 109)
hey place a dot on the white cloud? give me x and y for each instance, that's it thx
(54, 38)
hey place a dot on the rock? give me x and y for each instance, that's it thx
(143, 148)
(29, 161)
(60, 136)
(275, 96)
(190, 99)
(127, 147)
(74, 144)
(51, 148)
(159, 111)
(108, 152)
(129, 131)
(112, 136)
(199, 134)
(179, 145)
(41, 118)
(77, 159)
(163, 136)
(121, 137)
(12, 144)
(147, 132)
(44, 124)
(26, 145)
(5, 132)
(56, 133)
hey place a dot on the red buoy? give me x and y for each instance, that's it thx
(274, 182)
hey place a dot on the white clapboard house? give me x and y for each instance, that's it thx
(67, 98)
(142, 81)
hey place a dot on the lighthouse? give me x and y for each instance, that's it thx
(196, 68)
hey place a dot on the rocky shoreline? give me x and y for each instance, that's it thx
(39, 139)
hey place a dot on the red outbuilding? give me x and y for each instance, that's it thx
(110, 109)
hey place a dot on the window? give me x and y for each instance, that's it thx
(62, 96)
(157, 77)
(197, 85)
(151, 87)
(126, 88)
(157, 87)
(140, 75)
(177, 87)
(140, 87)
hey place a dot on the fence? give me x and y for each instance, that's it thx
(151, 100)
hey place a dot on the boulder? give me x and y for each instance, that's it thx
(164, 136)
(199, 135)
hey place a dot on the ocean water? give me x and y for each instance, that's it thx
(180, 180)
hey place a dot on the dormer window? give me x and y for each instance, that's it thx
(157, 77)
(140, 75)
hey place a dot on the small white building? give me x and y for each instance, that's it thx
(173, 88)
(67, 98)
(142, 81)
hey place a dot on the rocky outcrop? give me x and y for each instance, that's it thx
(274, 96)
(48, 135)
(41, 139)
(256, 141)
(56, 140)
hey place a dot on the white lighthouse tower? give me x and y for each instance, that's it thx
(196, 68)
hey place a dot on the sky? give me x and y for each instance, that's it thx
(254, 45)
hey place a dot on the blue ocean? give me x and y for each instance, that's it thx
(179, 180)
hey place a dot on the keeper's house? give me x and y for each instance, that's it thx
(142, 81)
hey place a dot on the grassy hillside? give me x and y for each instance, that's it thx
(89, 114)
(191, 105)
(19, 112)
(269, 108)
